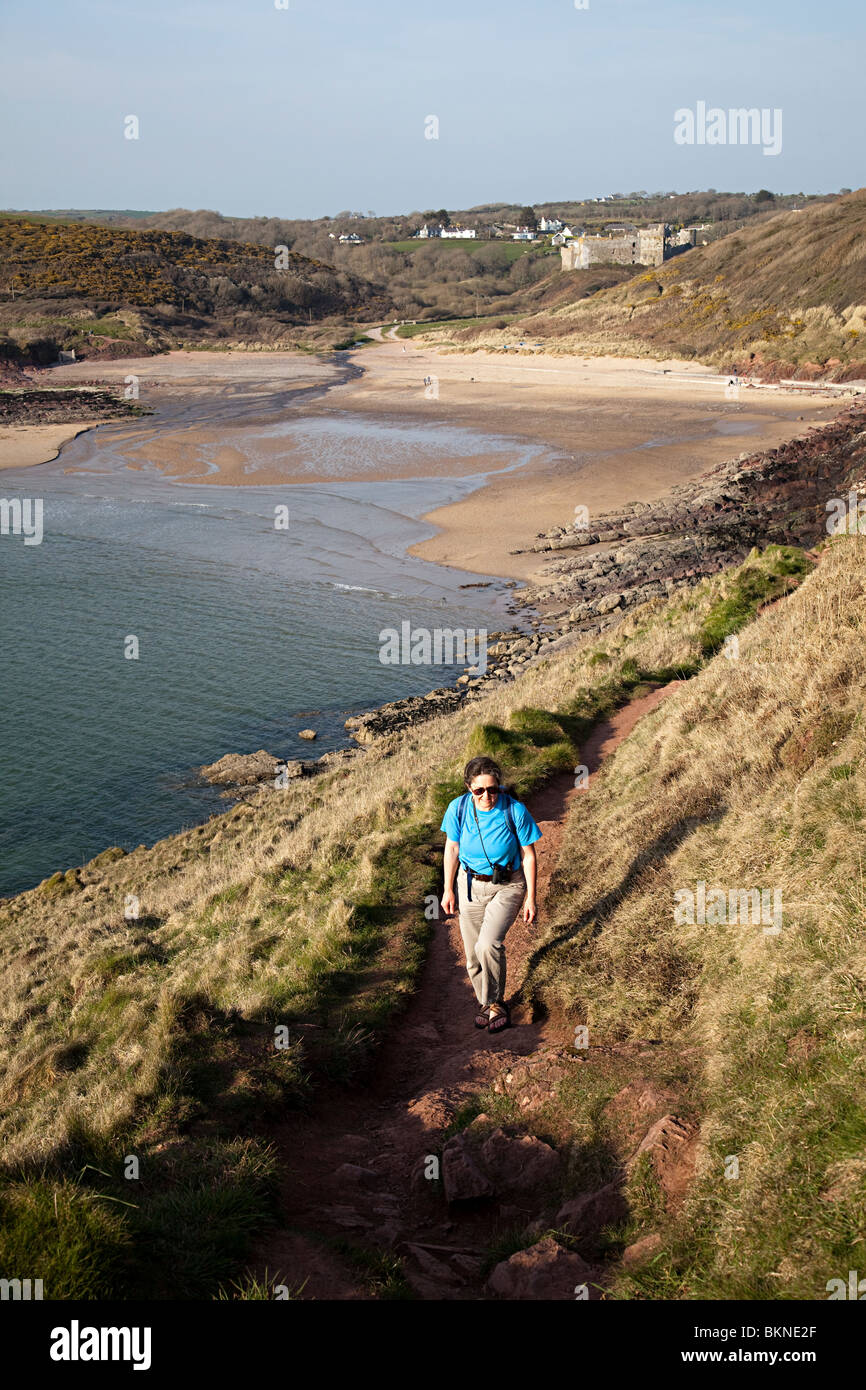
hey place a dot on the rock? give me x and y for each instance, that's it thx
(346, 1217)
(333, 759)
(519, 1165)
(353, 1174)
(307, 733)
(587, 1214)
(462, 1178)
(641, 1250)
(608, 603)
(386, 1235)
(243, 769)
(543, 1271)
(431, 1265)
(671, 1144)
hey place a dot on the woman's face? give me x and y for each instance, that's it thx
(485, 790)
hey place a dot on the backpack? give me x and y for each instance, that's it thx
(507, 808)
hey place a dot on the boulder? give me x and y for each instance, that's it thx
(519, 1166)
(244, 769)
(587, 1214)
(543, 1271)
(461, 1176)
(608, 603)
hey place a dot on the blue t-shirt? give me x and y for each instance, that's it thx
(495, 832)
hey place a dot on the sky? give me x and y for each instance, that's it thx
(306, 108)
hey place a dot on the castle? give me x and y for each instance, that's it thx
(645, 246)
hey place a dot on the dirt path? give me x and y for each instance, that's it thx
(352, 1165)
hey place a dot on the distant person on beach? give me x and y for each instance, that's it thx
(489, 848)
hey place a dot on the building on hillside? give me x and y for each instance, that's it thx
(351, 239)
(686, 236)
(427, 231)
(458, 233)
(689, 236)
(550, 224)
(646, 246)
(523, 234)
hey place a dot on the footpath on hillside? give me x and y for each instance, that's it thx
(354, 1165)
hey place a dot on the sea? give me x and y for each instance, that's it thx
(159, 624)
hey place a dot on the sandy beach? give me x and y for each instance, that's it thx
(616, 430)
(607, 430)
(22, 446)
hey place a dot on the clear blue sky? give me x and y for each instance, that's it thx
(253, 110)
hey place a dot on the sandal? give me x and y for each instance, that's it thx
(499, 1018)
(482, 1018)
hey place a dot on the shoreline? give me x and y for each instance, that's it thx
(27, 446)
(517, 647)
(603, 431)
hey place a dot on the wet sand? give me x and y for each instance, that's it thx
(22, 446)
(608, 430)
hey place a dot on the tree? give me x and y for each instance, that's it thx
(764, 195)
(527, 218)
(443, 217)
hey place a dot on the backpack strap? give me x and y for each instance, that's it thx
(462, 808)
(509, 816)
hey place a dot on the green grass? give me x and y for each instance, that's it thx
(509, 250)
(412, 330)
(755, 585)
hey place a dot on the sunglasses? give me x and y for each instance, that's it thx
(485, 791)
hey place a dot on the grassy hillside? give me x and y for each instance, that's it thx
(162, 1005)
(790, 289)
(749, 776)
(85, 286)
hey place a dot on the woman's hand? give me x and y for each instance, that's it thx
(449, 903)
(529, 910)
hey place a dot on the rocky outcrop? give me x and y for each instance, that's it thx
(25, 406)
(648, 550)
(238, 772)
(508, 653)
(543, 1271)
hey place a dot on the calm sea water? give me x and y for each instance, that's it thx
(246, 633)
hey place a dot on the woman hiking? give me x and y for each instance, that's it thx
(489, 838)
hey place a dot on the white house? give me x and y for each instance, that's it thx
(428, 232)
(351, 239)
(550, 224)
(523, 234)
(458, 233)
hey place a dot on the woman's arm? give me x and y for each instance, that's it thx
(530, 869)
(451, 861)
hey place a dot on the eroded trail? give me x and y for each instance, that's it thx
(354, 1166)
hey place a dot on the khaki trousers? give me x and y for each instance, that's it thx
(483, 924)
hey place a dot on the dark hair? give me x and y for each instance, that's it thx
(477, 767)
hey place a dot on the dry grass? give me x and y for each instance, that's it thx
(154, 1035)
(750, 776)
(252, 913)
